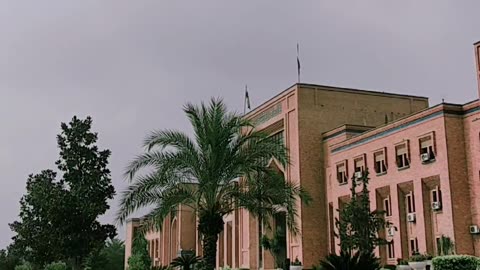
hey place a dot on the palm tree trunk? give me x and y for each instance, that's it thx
(210, 249)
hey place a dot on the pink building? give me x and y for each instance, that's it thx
(424, 165)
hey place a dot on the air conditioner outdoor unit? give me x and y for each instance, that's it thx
(425, 157)
(411, 217)
(474, 229)
(391, 231)
(359, 174)
(436, 206)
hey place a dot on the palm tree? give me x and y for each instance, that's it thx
(202, 172)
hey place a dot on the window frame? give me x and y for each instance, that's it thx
(406, 157)
(430, 149)
(391, 250)
(410, 201)
(382, 168)
(413, 245)
(387, 208)
(345, 176)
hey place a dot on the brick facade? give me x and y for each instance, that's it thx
(332, 132)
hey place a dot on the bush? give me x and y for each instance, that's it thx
(417, 258)
(359, 261)
(25, 266)
(56, 266)
(455, 262)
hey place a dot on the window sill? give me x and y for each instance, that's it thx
(382, 173)
(342, 184)
(404, 168)
(428, 161)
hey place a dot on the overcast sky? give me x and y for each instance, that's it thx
(131, 65)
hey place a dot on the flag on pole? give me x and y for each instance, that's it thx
(247, 98)
(298, 62)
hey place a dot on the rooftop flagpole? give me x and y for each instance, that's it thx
(298, 63)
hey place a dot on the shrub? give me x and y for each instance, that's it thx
(25, 266)
(417, 258)
(186, 261)
(56, 266)
(359, 261)
(455, 262)
(137, 262)
(390, 267)
(402, 262)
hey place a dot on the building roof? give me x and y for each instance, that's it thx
(401, 123)
(329, 88)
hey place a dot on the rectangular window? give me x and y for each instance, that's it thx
(342, 177)
(359, 164)
(427, 151)
(413, 246)
(439, 246)
(403, 160)
(410, 203)
(391, 250)
(387, 207)
(278, 137)
(380, 161)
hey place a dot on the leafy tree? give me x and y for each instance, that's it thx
(110, 257)
(357, 226)
(56, 266)
(140, 259)
(59, 217)
(275, 245)
(8, 261)
(24, 266)
(200, 173)
(87, 177)
(37, 234)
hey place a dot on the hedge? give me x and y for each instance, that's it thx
(56, 266)
(455, 262)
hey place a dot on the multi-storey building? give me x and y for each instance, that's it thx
(424, 167)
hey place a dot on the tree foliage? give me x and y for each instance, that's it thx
(140, 259)
(110, 257)
(201, 173)
(58, 217)
(357, 225)
(346, 261)
(8, 260)
(185, 261)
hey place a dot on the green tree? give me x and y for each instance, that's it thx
(8, 260)
(357, 225)
(59, 217)
(110, 257)
(201, 173)
(37, 235)
(140, 259)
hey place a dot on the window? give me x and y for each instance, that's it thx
(436, 199)
(359, 166)
(278, 137)
(427, 151)
(387, 206)
(380, 162)
(413, 246)
(410, 203)
(342, 177)
(439, 246)
(403, 160)
(391, 250)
